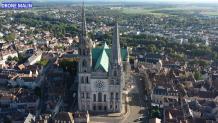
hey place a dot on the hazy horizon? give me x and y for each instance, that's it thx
(155, 1)
(150, 1)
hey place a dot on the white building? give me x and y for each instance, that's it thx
(1, 34)
(4, 55)
(163, 96)
(29, 82)
(34, 59)
(25, 80)
(41, 42)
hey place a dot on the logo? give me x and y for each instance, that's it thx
(16, 5)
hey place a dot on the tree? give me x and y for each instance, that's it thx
(177, 56)
(155, 112)
(38, 91)
(16, 59)
(29, 42)
(29, 33)
(21, 58)
(152, 48)
(131, 59)
(7, 120)
(69, 66)
(182, 91)
(9, 58)
(197, 75)
(43, 62)
(10, 37)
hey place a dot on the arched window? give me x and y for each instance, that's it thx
(87, 95)
(82, 80)
(116, 95)
(94, 97)
(87, 79)
(99, 97)
(84, 63)
(112, 95)
(84, 52)
(115, 73)
(105, 98)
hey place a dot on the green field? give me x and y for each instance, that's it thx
(141, 11)
(206, 11)
(167, 11)
(210, 13)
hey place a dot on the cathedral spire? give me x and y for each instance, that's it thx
(116, 54)
(84, 29)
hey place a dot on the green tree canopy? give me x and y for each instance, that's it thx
(10, 37)
(155, 112)
(70, 66)
(38, 91)
(197, 75)
(152, 48)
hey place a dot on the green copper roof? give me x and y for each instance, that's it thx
(96, 52)
(103, 61)
(101, 57)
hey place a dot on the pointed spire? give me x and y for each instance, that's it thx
(84, 32)
(105, 46)
(116, 54)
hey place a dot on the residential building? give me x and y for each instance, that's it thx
(34, 59)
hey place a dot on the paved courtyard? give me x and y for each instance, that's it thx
(136, 105)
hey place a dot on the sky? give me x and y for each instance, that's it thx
(187, 1)
(171, 1)
(177, 1)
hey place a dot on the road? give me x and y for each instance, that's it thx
(136, 101)
(136, 105)
(42, 84)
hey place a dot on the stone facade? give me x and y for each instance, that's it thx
(101, 74)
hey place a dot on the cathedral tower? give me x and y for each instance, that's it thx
(100, 75)
(85, 63)
(116, 70)
(85, 48)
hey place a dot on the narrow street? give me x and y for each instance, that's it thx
(42, 85)
(136, 102)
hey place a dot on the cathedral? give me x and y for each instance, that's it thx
(101, 73)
